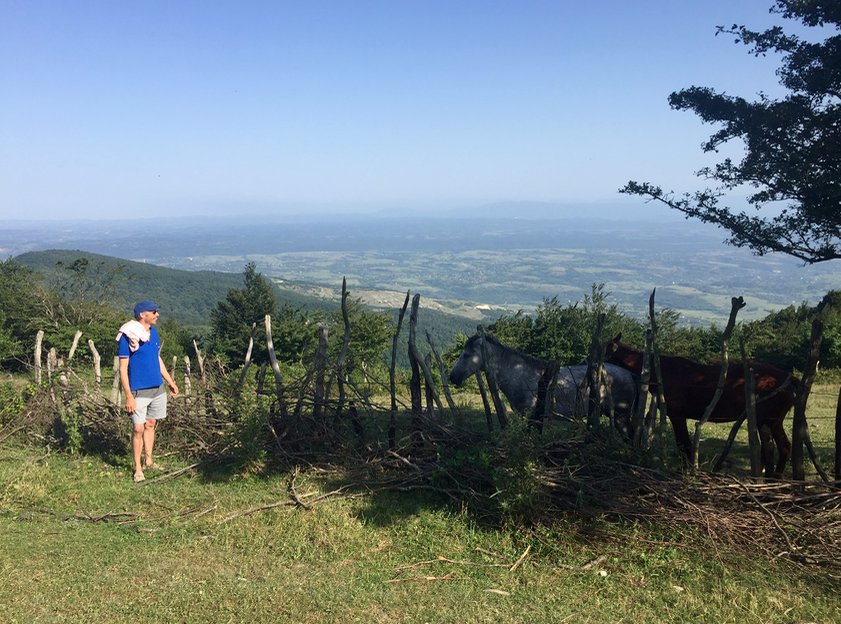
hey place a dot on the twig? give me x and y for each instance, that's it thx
(294, 494)
(440, 559)
(582, 568)
(521, 559)
(773, 516)
(178, 473)
(125, 515)
(251, 510)
(403, 459)
(447, 577)
(198, 515)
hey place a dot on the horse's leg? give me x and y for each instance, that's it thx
(682, 435)
(783, 446)
(767, 449)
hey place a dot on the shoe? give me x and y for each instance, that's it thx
(139, 476)
(154, 466)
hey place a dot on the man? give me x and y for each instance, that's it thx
(142, 373)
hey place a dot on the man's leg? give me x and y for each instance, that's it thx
(149, 440)
(137, 436)
(155, 411)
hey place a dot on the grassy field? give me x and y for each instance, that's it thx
(82, 543)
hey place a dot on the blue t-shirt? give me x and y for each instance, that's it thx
(144, 367)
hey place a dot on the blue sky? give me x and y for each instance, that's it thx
(163, 108)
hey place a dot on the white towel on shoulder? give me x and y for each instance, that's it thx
(135, 333)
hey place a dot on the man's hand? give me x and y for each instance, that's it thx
(173, 389)
(131, 404)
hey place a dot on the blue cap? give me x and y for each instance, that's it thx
(145, 306)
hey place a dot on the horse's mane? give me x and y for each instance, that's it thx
(512, 351)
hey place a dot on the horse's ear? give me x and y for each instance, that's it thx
(618, 337)
(480, 332)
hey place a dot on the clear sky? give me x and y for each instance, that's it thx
(143, 108)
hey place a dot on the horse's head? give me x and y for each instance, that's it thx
(469, 362)
(612, 347)
(622, 355)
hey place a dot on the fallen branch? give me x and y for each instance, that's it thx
(582, 568)
(123, 516)
(178, 473)
(447, 577)
(521, 559)
(251, 510)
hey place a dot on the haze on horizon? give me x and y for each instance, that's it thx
(153, 109)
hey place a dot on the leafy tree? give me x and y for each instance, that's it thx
(84, 300)
(232, 318)
(792, 145)
(782, 338)
(295, 333)
(564, 332)
(371, 334)
(514, 331)
(86, 281)
(175, 340)
(19, 286)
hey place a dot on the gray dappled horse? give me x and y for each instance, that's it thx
(518, 376)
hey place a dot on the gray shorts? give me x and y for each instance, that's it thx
(151, 405)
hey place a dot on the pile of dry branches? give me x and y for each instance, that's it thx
(550, 481)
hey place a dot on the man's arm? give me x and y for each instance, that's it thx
(131, 404)
(173, 389)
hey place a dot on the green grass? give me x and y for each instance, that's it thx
(369, 559)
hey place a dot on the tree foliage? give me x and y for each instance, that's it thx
(792, 145)
(232, 318)
(564, 332)
(19, 302)
(371, 334)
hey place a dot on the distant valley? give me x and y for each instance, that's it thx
(474, 267)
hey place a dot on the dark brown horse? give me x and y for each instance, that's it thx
(688, 388)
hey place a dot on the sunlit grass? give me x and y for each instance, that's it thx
(391, 557)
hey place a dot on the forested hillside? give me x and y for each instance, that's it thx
(187, 296)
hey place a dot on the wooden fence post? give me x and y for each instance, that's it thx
(275, 367)
(594, 375)
(442, 369)
(392, 425)
(340, 359)
(545, 404)
(483, 392)
(800, 428)
(248, 352)
(750, 409)
(655, 362)
(320, 366)
(74, 346)
(414, 355)
(115, 385)
(838, 438)
(736, 304)
(39, 341)
(640, 424)
(52, 365)
(200, 361)
(188, 383)
(415, 384)
(97, 366)
(499, 404)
